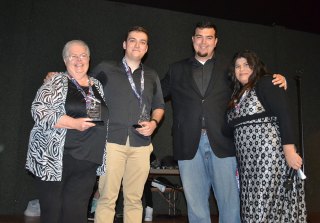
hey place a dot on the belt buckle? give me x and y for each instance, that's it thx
(203, 131)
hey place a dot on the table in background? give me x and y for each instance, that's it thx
(172, 192)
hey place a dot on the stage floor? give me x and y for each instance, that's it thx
(312, 218)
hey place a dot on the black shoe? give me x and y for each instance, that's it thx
(91, 216)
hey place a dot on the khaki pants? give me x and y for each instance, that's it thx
(132, 166)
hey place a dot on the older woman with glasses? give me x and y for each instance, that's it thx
(67, 144)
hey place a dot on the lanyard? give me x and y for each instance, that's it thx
(87, 97)
(133, 86)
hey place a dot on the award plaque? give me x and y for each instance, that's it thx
(144, 116)
(94, 110)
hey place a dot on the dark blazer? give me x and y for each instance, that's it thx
(189, 105)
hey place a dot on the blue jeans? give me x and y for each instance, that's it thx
(206, 171)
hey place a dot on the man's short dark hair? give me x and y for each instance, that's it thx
(136, 29)
(206, 24)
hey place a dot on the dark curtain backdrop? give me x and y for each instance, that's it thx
(32, 36)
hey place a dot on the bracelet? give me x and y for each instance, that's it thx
(157, 123)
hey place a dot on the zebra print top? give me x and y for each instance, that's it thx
(46, 143)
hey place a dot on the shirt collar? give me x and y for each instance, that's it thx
(196, 63)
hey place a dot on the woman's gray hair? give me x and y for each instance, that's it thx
(65, 51)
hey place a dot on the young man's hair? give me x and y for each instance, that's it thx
(206, 24)
(136, 29)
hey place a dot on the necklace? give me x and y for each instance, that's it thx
(237, 105)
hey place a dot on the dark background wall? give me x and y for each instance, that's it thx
(32, 36)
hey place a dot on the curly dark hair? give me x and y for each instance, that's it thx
(259, 70)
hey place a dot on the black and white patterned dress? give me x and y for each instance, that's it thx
(46, 143)
(261, 125)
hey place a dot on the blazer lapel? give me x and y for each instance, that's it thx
(190, 79)
(216, 72)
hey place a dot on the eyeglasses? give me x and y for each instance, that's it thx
(76, 57)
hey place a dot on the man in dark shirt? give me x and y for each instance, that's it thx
(132, 92)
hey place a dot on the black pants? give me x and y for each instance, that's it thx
(147, 193)
(67, 200)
